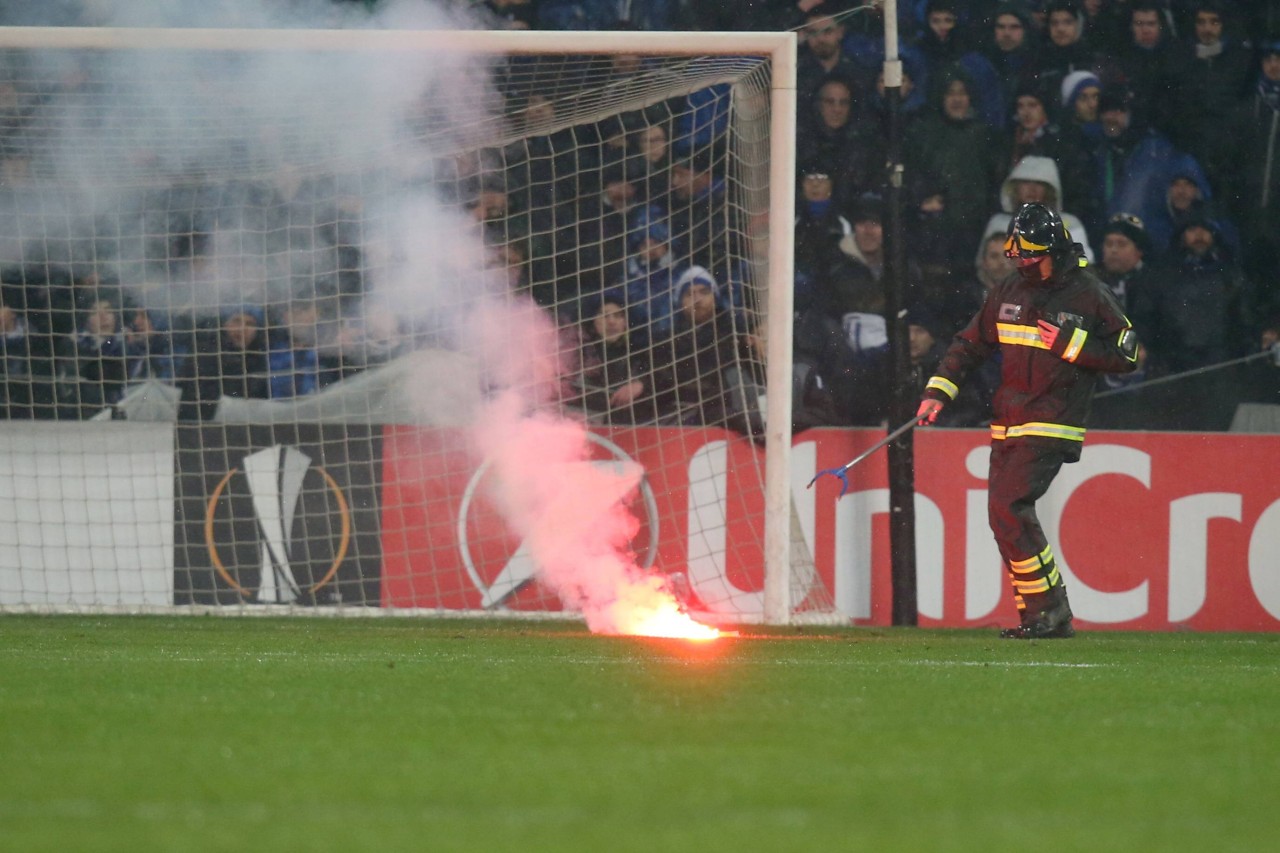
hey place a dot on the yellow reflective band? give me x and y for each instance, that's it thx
(1019, 336)
(1032, 563)
(1024, 243)
(946, 386)
(1053, 577)
(1032, 587)
(1070, 433)
(1072, 352)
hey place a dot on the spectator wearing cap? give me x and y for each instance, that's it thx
(1196, 311)
(854, 287)
(835, 140)
(952, 144)
(1125, 248)
(702, 366)
(1035, 179)
(1134, 161)
(820, 226)
(861, 263)
(1216, 77)
(1080, 91)
(1249, 159)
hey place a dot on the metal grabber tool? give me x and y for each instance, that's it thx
(842, 471)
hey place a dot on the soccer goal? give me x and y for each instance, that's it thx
(398, 322)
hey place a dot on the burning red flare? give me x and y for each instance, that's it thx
(645, 607)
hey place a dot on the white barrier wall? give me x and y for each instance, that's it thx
(90, 508)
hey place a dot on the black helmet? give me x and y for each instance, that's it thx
(1036, 231)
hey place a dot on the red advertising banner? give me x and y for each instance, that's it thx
(1153, 531)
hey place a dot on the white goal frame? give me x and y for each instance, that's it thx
(778, 47)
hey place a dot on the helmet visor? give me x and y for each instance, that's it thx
(1019, 247)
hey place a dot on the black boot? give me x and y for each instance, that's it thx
(1046, 619)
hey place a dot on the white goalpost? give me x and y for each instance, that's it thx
(269, 295)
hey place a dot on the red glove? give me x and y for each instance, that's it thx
(928, 411)
(1048, 332)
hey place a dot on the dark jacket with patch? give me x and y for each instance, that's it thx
(1043, 392)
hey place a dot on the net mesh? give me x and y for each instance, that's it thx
(307, 276)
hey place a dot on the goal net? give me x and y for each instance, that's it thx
(379, 321)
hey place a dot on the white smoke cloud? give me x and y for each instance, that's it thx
(277, 117)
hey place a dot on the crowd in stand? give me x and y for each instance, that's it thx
(1152, 126)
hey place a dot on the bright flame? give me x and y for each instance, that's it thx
(646, 608)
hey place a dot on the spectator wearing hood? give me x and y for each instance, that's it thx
(836, 139)
(952, 144)
(648, 289)
(990, 268)
(1195, 311)
(821, 56)
(1035, 179)
(1249, 158)
(1010, 48)
(913, 95)
(1134, 162)
(1188, 196)
(945, 45)
(704, 225)
(1064, 50)
(1035, 133)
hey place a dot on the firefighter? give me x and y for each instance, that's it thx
(1055, 326)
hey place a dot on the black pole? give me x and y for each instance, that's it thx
(902, 403)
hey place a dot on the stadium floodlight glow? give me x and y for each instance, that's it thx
(330, 184)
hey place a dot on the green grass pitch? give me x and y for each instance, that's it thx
(210, 733)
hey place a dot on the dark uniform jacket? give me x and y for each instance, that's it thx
(1043, 392)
